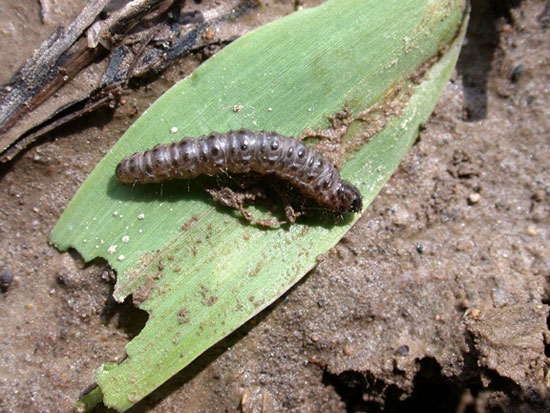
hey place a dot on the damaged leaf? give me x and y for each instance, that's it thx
(369, 72)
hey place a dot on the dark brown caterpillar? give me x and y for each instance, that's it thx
(240, 152)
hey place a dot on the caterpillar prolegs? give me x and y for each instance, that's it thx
(240, 152)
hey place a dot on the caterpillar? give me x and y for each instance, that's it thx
(244, 151)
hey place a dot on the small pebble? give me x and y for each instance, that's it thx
(141, 216)
(174, 129)
(475, 313)
(209, 34)
(6, 278)
(402, 351)
(517, 73)
(121, 257)
(348, 350)
(474, 198)
(531, 230)
(502, 298)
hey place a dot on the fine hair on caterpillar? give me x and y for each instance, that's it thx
(244, 151)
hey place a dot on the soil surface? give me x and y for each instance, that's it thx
(436, 299)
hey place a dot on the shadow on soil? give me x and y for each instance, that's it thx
(478, 53)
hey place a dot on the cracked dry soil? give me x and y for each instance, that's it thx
(436, 299)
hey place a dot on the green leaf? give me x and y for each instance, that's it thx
(198, 269)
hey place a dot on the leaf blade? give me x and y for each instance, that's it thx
(235, 270)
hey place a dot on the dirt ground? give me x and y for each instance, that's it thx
(436, 299)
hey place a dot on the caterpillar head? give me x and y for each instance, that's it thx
(350, 199)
